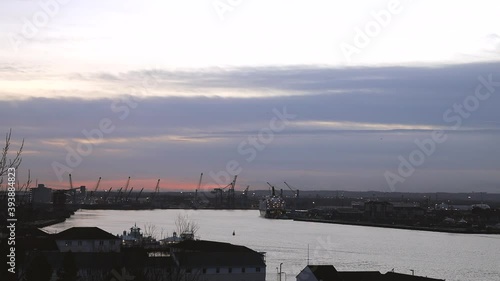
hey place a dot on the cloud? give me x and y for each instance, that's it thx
(351, 125)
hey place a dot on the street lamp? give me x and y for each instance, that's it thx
(280, 270)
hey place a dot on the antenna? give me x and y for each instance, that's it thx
(307, 254)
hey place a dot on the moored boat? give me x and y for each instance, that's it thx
(272, 206)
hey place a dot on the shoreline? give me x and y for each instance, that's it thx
(45, 223)
(420, 228)
(53, 221)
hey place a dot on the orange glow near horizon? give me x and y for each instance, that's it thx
(137, 184)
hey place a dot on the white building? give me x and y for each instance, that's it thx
(217, 261)
(86, 240)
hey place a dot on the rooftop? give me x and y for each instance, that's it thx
(329, 273)
(84, 233)
(195, 253)
(211, 246)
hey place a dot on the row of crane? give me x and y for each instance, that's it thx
(223, 196)
(90, 198)
(296, 193)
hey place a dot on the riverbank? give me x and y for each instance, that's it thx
(421, 228)
(44, 223)
(40, 216)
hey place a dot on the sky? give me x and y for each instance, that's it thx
(326, 95)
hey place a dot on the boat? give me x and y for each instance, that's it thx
(135, 237)
(186, 235)
(272, 206)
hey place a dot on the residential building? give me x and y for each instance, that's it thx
(217, 261)
(86, 240)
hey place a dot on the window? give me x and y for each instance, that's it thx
(79, 243)
(101, 243)
(257, 269)
(67, 243)
(204, 271)
(230, 270)
(242, 270)
(217, 270)
(112, 242)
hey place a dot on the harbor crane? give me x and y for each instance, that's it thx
(157, 190)
(139, 195)
(97, 185)
(219, 194)
(107, 194)
(128, 194)
(197, 188)
(245, 192)
(230, 194)
(126, 185)
(296, 195)
(119, 194)
(124, 190)
(273, 193)
(72, 190)
(244, 197)
(93, 192)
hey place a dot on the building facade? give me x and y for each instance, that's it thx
(40, 194)
(86, 240)
(216, 261)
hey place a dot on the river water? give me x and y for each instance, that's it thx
(454, 257)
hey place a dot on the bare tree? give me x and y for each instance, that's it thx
(5, 162)
(150, 230)
(184, 224)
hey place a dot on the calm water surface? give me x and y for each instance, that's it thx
(455, 257)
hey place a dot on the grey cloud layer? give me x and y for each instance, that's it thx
(314, 156)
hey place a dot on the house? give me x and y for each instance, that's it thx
(209, 260)
(329, 273)
(86, 240)
(319, 272)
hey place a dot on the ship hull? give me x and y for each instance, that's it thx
(272, 208)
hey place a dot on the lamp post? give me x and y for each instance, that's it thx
(280, 270)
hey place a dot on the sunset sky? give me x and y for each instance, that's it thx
(321, 94)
